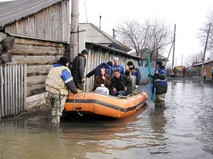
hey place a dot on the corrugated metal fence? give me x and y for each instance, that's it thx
(13, 89)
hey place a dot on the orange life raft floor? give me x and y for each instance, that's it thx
(105, 105)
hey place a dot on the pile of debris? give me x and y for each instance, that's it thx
(6, 43)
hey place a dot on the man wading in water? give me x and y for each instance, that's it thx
(59, 83)
(160, 84)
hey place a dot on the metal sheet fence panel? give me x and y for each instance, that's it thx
(13, 89)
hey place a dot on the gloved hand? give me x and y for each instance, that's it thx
(149, 75)
(79, 91)
(136, 86)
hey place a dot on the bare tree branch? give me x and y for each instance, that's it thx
(151, 35)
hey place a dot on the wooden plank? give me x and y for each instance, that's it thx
(25, 86)
(36, 97)
(16, 89)
(19, 88)
(1, 93)
(10, 89)
(33, 60)
(38, 70)
(6, 90)
(36, 50)
(35, 89)
(36, 100)
(22, 89)
(36, 80)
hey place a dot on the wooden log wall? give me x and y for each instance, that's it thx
(13, 89)
(39, 56)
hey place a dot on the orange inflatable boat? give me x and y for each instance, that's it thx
(105, 105)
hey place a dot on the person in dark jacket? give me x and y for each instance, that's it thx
(58, 84)
(160, 84)
(134, 74)
(120, 84)
(78, 68)
(96, 71)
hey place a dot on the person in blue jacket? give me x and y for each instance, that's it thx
(160, 83)
(212, 72)
(59, 83)
(96, 71)
(116, 66)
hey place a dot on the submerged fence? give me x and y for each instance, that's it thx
(13, 89)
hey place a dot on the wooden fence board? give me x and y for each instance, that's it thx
(1, 93)
(13, 87)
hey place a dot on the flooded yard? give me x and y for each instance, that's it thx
(183, 130)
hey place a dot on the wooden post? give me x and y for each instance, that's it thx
(100, 22)
(174, 47)
(74, 29)
(204, 52)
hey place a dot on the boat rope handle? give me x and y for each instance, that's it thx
(120, 96)
(76, 108)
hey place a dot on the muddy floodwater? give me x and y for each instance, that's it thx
(182, 131)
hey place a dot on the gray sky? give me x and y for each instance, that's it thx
(188, 15)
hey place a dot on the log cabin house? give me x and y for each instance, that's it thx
(41, 35)
(40, 29)
(208, 65)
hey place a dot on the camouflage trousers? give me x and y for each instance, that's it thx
(58, 103)
(160, 101)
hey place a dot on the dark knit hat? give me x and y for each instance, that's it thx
(129, 63)
(160, 63)
(110, 63)
(84, 52)
(63, 60)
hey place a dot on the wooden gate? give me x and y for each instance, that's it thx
(13, 89)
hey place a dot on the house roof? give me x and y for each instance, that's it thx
(160, 57)
(95, 35)
(114, 50)
(11, 11)
(200, 63)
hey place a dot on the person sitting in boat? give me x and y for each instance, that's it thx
(117, 66)
(134, 74)
(102, 78)
(96, 71)
(120, 84)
